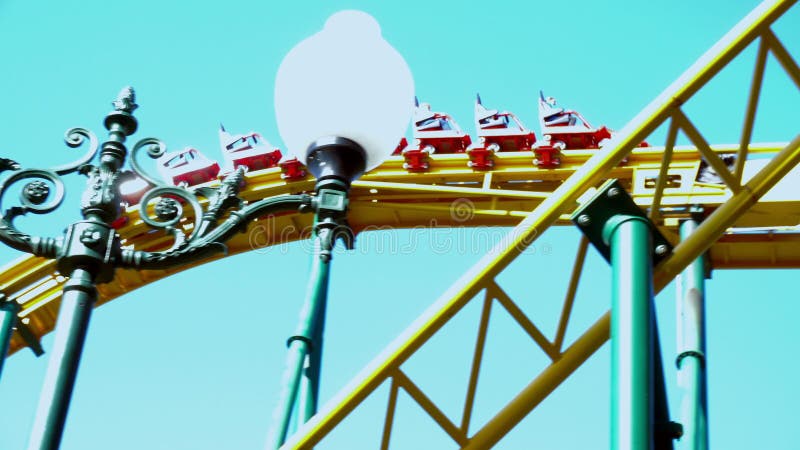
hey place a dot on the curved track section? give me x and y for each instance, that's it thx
(745, 200)
(752, 221)
(450, 194)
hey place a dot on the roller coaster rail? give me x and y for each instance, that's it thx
(747, 220)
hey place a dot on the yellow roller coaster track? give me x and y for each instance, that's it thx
(752, 222)
(391, 196)
(741, 203)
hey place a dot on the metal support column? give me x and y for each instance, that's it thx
(311, 376)
(70, 335)
(305, 346)
(664, 430)
(692, 348)
(305, 342)
(90, 250)
(624, 236)
(632, 393)
(8, 318)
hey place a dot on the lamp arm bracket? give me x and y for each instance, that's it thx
(35, 245)
(330, 231)
(345, 233)
(213, 240)
(220, 200)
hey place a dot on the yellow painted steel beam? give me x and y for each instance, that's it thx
(392, 198)
(686, 252)
(477, 359)
(389, 420)
(750, 111)
(481, 276)
(545, 383)
(725, 216)
(572, 288)
(548, 347)
(713, 160)
(770, 250)
(425, 402)
(663, 170)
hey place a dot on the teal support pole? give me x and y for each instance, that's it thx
(692, 349)
(632, 393)
(665, 431)
(305, 343)
(8, 317)
(623, 235)
(311, 376)
(70, 334)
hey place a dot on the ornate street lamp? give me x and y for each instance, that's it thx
(343, 100)
(90, 250)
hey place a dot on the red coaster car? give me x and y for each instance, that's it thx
(497, 131)
(567, 129)
(292, 169)
(400, 146)
(434, 132)
(187, 166)
(249, 150)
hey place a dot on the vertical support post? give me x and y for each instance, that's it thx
(311, 376)
(621, 232)
(692, 348)
(632, 394)
(664, 430)
(8, 318)
(306, 342)
(70, 334)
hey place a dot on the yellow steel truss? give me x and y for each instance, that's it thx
(393, 197)
(659, 178)
(483, 276)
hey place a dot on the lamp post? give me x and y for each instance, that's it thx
(90, 250)
(343, 100)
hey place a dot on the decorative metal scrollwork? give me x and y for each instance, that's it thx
(198, 228)
(155, 149)
(40, 196)
(200, 220)
(43, 193)
(74, 138)
(164, 217)
(202, 244)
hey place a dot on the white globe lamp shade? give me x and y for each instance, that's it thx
(344, 91)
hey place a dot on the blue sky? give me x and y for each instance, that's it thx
(194, 361)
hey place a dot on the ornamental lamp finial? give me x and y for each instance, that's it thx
(126, 100)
